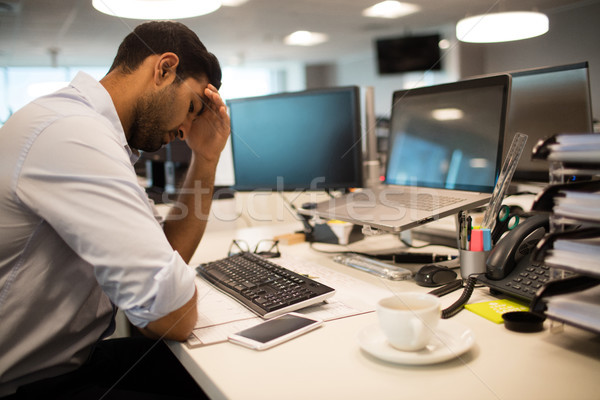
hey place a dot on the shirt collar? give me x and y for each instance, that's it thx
(101, 101)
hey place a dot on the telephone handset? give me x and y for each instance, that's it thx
(517, 244)
(509, 267)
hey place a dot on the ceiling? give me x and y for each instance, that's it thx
(32, 30)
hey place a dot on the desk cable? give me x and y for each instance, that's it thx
(458, 305)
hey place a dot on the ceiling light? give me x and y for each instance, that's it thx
(233, 3)
(156, 9)
(390, 9)
(305, 38)
(502, 27)
(444, 44)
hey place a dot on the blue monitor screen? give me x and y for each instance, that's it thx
(309, 140)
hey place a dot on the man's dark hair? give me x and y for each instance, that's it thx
(158, 37)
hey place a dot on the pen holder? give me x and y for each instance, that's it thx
(472, 262)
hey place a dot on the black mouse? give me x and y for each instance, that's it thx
(434, 275)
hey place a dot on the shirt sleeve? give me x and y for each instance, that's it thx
(82, 183)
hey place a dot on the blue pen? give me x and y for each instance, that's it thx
(469, 227)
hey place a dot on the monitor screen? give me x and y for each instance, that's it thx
(544, 102)
(408, 53)
(309, 140)
(448, 136)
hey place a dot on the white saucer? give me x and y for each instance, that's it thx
(449, 340)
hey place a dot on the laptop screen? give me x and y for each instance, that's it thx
(449, 136)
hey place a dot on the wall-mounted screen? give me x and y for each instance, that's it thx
(408, 53)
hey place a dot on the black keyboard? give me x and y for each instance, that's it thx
(263, 286)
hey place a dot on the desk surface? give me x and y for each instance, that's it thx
(329, 364)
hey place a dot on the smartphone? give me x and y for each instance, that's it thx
(275, 331)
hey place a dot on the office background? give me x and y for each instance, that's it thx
(50, 40)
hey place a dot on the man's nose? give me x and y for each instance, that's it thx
(184, 128)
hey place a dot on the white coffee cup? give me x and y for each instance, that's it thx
(409, 319)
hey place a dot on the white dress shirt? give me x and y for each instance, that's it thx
(77, 233)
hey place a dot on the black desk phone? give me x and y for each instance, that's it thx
(509, 267)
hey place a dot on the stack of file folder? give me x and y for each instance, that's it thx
(572, 248)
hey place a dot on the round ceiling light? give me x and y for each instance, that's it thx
(156, 9)
(502, 27)
(305, 38)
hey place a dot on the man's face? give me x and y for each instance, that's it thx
(163, 115)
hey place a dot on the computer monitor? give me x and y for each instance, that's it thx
(546, 101)
(166, 167)
(308, 140)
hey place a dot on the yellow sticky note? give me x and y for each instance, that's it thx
(494, 309)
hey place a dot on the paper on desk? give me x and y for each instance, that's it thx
(493, 310)
(219, 315)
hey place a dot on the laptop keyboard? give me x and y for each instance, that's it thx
(264, 287)
(422, 201)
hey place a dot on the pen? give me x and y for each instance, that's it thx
(469, 227)
(421, 258)
(463, 232)
(447, 288)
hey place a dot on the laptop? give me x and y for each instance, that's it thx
(444, 156)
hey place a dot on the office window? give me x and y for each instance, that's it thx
(243, 82)
(3, 97)
(247, 82)
(20, 85)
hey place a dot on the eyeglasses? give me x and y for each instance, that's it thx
(266, 248)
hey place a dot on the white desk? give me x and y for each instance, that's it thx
(328, 363)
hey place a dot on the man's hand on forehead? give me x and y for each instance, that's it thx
(212, 98)
(206, 100)
(210, 130)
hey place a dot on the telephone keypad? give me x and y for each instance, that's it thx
(526, 283)
(523, 282)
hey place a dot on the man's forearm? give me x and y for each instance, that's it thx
(176, 325)
(187, 220)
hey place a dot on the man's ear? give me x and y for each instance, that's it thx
(166, 68)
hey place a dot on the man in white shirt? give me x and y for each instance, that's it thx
(78, 235)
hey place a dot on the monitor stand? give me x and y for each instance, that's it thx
(322, 232)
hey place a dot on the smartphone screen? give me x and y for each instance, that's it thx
(275, 331)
